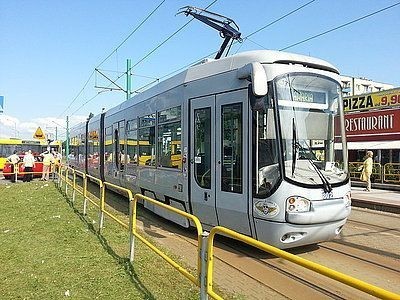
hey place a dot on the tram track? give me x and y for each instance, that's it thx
(382, 229)
(276, 265)
(363, 256)
(254, 274)
(270, 272)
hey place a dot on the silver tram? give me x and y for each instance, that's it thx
(254, 142)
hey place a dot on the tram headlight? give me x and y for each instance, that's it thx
(297, 204)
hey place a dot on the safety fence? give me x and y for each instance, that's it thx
(18, 171)
(67, 178)
(388, 173)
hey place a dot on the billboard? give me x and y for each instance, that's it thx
(1, 104)
(377, 100)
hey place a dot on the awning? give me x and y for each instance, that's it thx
(370, 145)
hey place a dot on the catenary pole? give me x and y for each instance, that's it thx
(128, 78)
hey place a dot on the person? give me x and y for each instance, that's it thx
(367, 170)
(48, 159)
(57, 157)
(13, 159)
(29, 163)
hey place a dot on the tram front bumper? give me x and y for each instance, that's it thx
(286, 235)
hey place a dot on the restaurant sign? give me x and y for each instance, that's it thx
(373, 125)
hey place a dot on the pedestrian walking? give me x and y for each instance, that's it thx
(48, 159)
(367, 170)
(13, 159)
(29, 163)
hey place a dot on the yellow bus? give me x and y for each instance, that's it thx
(9, 145)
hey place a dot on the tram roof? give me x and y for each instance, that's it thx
(210, 67)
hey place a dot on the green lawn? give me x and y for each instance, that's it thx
(49, 250)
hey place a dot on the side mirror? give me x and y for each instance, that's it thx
(255, 73)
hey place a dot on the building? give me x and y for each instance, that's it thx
(372, 122)
(356, 86)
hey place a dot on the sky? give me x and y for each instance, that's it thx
(49, 50)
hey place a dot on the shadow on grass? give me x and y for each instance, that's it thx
(123, 261)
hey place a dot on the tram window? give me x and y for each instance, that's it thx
(131, 125)
(265, 152)
(202, 147)
(108, 145)
(169, 115)
(146, 146)
(169, 145)
(169, 138)
(149, 120)
(131, 142)
(231, 154)
(93, 149)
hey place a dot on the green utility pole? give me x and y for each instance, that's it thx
(67, 142)
(128, 78)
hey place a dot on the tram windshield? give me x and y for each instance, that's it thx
(310, 113)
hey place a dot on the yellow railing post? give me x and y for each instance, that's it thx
(73, 185)
(16, 169)
(61, 175)
(203, 264)
(101, 214)
(66, 181)
(132, 227)
(59, 170)
(84, 194)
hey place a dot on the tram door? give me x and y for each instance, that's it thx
(219, 175)
(202, 159)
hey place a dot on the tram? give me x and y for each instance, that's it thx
(254, 142)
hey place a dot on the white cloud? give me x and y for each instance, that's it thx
(13, 127)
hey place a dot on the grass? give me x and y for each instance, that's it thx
(49, 250)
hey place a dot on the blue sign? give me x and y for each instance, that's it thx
(1, 104)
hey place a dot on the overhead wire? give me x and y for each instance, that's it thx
(146, 56)
(136, 29)
(245, 38)
(115, 50)
(76, 97)
(340, 26)
(280, 18)
(163, 42)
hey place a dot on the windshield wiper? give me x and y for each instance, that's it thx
(294, 146)
(325, 182)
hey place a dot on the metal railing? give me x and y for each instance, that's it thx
(19, 170)
(347, 280)
(389, 173)
(68, 176)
